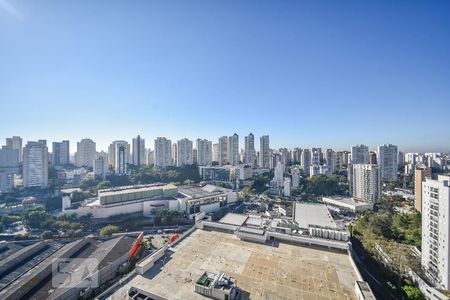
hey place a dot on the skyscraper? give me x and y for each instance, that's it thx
(330, 161)
(365, 183)
(305, 160)
(436, 230)
(35, 165)
(250, 154)
(233, 149)
(163, 152)
(223, 151)
(86, 153)
(15, 143)
(420, 173)
(316, 155)
(112, 153)
(61, 153)
(9, 158)
(204, 152)
(360, 154)
(264, 152)
(216, 156)
(185, 154)
(387, 160)
(122, 157)
(138, 151)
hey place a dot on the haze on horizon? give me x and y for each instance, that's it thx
(307, 73)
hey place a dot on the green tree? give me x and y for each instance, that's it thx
(109, 230)
(413, 293)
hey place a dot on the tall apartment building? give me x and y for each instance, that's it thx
(296, 155)
(61, 153)
(264, 152)
(373, 158)
(387, 160)
(215, 155)
(250, 153)
(330, 160)
(9, 157)
(420, 173)
(223, 151)
(15, 143)
(316, 155)
(364, 182)
(305, 161)
(150, 157)
(100, 167)
(185, 153)
(163, 152)
(138, 151)
(86, 153)
(233, 149)
(112, 151)
(339, 160)
(204, 152)
(436, 230)
(360, 154)
(121, 157)
(35, 165)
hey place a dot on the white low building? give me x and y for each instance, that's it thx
(148, 199)
(347, 203)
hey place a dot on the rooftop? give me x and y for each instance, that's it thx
(313, 214)
(279, 271)
(196, 191)
(234, 219)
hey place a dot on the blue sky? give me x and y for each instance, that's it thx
(308, 73)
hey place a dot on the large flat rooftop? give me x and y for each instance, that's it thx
(262, 271)
(306, 214)
(196, 191)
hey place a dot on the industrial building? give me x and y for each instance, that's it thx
(27, 268)
(148, 199)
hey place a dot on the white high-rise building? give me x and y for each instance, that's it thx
(233, 149)
(163, 152)
(185, 153)
(436, 230)
(100, 167)
(112, 149)
(295, 177)
(204, 152)
(15, 143)
(316, 154)
(121, 157)
(365, 182)
(223, 151)
(9, 158)
(150, 157)
(314, 170)
(387, 160)
(86, 153)
(35, 165)
(287, 187)
(215, 151)
(305, 160)
(330, 161)
(138, 151)
(279, 174)
(250, 153)
(360, 154)
(264, 152)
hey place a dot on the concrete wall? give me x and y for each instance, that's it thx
(150, 260)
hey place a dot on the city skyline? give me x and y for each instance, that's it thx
(305, 73)
(104, 146)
